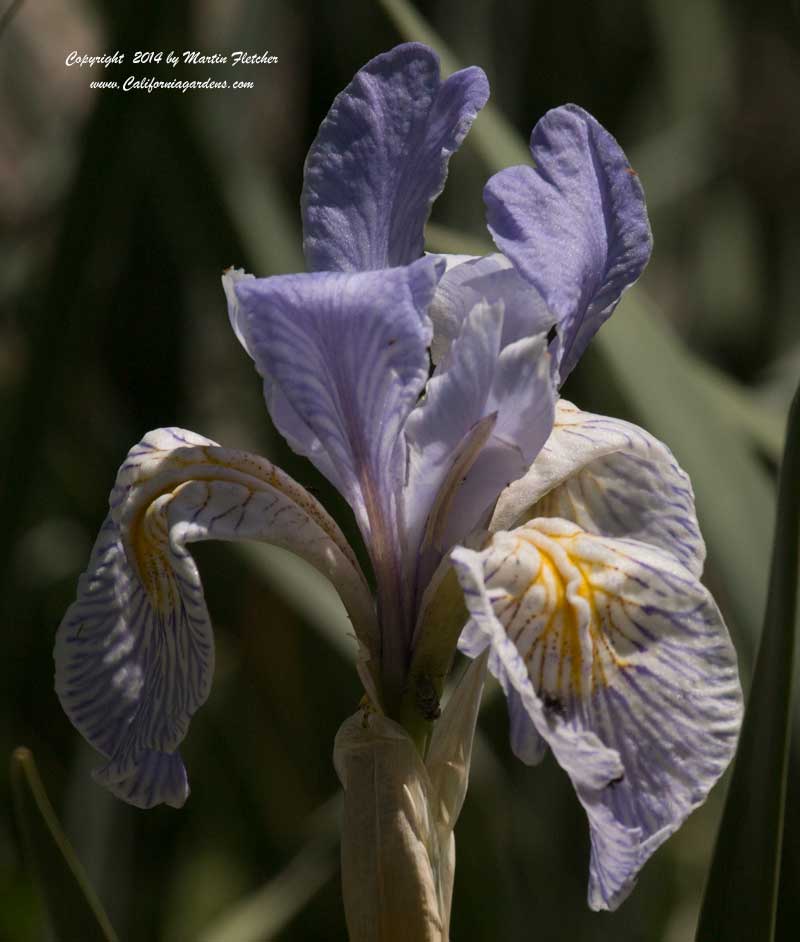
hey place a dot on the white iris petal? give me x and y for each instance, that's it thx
(609, 646)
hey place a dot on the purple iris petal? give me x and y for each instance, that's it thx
(574, 225)
(128, 675)
(348, 353)
(119, 680)
(380, 159)
(487, 411)
(490, 278)
(346, 356)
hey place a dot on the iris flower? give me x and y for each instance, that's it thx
(557, 547)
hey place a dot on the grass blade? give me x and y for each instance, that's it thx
(73, 907)
(267, 912)
(741, 896)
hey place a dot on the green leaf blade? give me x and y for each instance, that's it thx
(741, 896)
(74, 910)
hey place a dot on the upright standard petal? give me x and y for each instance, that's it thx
(380, 159)
(134, 653)
(612, 647)
(574, 225)
(612, 478)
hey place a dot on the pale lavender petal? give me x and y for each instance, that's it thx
(119, 682)
(574, 225)
(230, 278)
(134, 653)
(527, 743)
(300, 437)
(612, 478)
(469, 281)
(612, 639)
(486, 413)
(380, 159)
(348, 355)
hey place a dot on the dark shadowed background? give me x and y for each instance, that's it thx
(118, 212)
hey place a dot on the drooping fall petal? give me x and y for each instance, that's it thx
(610, 649)
(134, 653)
(613, 479)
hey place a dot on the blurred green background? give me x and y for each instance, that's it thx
(118, 212)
